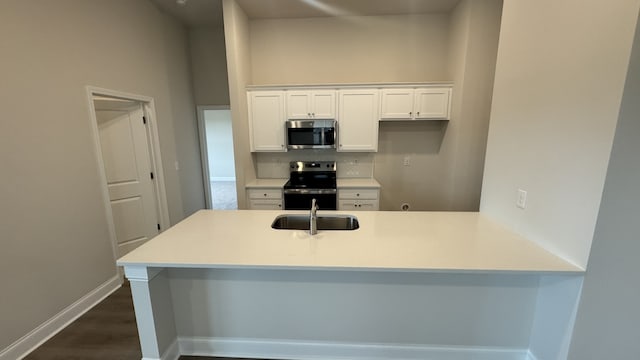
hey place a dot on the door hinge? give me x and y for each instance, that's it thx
(144, 120)
(152, 176)
(158, 226)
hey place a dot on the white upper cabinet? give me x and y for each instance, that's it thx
(267, 120)
(311, 104)
(415, 104)
(397, 104)
(433, 103)
(358, 111)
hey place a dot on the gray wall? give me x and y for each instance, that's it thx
(219, 143)
(237, 47)
(352, 307)
(55, 240)
(608, 315)
(447, 157)
(209, 65)
(558, 85)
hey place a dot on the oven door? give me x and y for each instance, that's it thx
(300, 199)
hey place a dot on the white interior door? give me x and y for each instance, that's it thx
(127, 165)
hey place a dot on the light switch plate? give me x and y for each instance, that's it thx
(521, 201)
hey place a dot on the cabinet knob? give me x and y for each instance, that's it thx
(410, 113)
(309, 114)
(279, 205)
(264, 194)
(313, 114)
(358, 194)
(418, 113)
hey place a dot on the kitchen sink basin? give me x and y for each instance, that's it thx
(324, 222)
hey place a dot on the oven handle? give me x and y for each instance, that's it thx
(310, 191)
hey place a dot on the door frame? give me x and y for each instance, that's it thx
(204, 155)
(149, 110)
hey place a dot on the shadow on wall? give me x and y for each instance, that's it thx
(409, 165)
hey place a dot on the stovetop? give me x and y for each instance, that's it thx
(312, 175)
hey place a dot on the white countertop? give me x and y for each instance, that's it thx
(389, 241)
(357, 183)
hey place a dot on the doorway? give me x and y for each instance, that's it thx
(128, 156)
(218, 162)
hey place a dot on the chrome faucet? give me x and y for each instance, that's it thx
(313, 218)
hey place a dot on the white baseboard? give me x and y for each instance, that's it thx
(49, 328)
(301, 350)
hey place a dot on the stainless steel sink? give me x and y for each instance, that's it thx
(324, 222)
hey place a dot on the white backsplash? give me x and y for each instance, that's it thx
(349, 165)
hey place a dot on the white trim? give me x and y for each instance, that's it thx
(141, 273)
(148, 106)
(204, 157)
(156, 162)
(304, 350)
(23, 346)
(338, 86)
(172, 353)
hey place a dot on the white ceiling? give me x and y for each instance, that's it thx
(197, 13)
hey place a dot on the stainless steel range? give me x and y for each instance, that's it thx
(311, 180)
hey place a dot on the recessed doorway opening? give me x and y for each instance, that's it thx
(218, 162)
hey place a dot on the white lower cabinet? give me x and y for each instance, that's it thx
(265, 198)
(358, 199)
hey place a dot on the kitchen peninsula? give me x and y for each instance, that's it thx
(225, 283)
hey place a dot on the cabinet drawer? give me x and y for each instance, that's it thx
(370, 194)
(361, 205)
(264, 194)
(265, 204)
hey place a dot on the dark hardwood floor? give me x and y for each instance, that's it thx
(108, 331)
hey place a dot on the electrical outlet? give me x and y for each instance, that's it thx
(521, 200)
(407, 160)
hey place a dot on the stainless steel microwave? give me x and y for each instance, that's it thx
(311, 134)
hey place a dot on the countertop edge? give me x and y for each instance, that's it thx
(575, 272)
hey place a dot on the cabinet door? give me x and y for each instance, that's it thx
(265, 204)
(432, 103)
(323, 104)
(298, 104)
(266, 120)
(264, 194)
(360, 205)
(397, 104)
(358, 120)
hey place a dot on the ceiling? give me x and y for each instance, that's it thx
(194, 13)
(200, 13)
